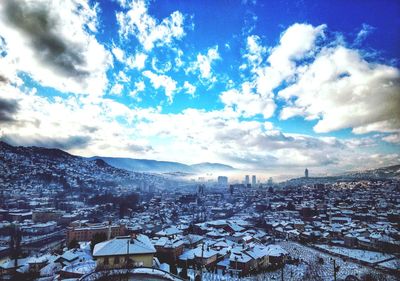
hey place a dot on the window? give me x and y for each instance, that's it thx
(116, 260)
(106, 262)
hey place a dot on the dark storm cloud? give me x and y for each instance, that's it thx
(8, 108)
(60, 143)
(35, 21)
(3, 79)
(72, 142)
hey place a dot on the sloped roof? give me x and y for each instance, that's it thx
(8, 264)
(276, 251)
(169, 231)
(119, 246)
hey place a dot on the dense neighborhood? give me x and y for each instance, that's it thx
(212, 230)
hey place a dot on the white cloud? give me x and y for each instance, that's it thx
(117, 89)
(204, 62)
(336, 88)
(270, 69)
(118, 53)
(122, 77)
(190, 89)
(247, 103)
(297, 42)
(203, 66)
(139, 87)
(255, 51)
(342, 90)
(190, 136)
(363, 33)
(392, 138)
(220, 136)
(57, 122)
(138, 61)
(147, 29)
(53, 43)
(164, 81)
(332, 84)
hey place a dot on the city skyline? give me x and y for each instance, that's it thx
(266, 87)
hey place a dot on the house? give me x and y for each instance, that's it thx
(276, 255)
(10, 267)
(168, 249)
(37, 263)
(193, 240)
(202, 255)
(217, 233)
(124, 251)
(260, 255)
(171, 232)
(364, 242)
(240, 262)
(206, 257)
(350, 240)
(67, 258)
(85, 232)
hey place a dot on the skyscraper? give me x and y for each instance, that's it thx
(246, 180)
(253, 180)
(306, 173)
(222, 180)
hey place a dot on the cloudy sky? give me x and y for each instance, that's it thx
(271, 86)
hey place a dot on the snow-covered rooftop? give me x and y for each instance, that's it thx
(123, 245)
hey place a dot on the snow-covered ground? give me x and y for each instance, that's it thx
(362, 255)
(81, 267)
(308, 269)
(325, 270)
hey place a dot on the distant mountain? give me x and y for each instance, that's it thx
(384, 173)
(154, 166)
(145, 165)
(209, 167)
(38, 167)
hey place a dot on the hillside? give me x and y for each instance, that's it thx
(383, 172)
(37, 167)
(154, 166)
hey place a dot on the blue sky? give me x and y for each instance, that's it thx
(266, 86)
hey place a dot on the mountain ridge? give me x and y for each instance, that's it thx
(38, 167)
(391, 172)
(129, 164)
(156, 166)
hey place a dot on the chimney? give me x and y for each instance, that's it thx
(132, 239)
(109, 231)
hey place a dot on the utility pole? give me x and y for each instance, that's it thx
(236, 268)
(334, 269)
(282, 272)
(127, 253)
(202, 257)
